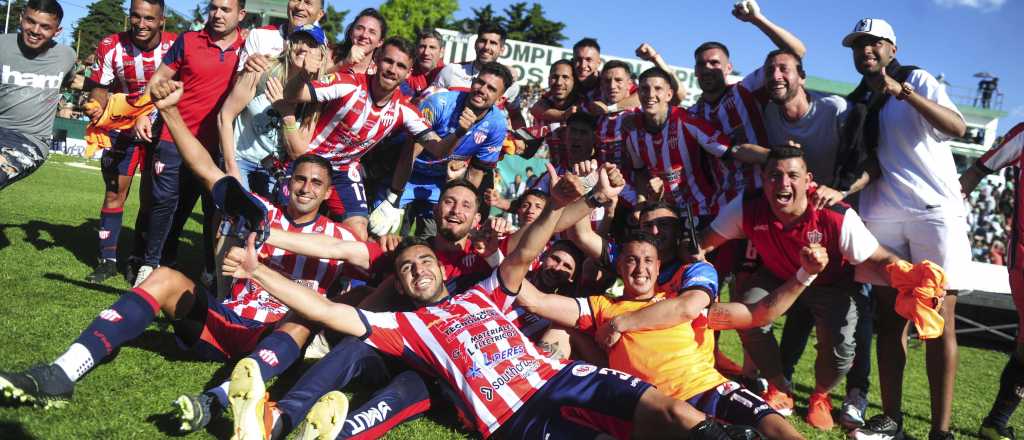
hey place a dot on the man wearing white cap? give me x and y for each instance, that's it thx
(913, 206)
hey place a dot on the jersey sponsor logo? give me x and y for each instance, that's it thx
(492, 335)
(468, 321)
(369, 418)
(488, 393)
(814, 237)
(269, 357)
(13, 77)
(700, 279)
(491, 360)
(516, 370)
(583, 370)
(111, 315)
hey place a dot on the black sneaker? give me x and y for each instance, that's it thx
(940, 435)
(42, 385)
(195, 412)
(712, 430)
(880, 427)
(106, 269)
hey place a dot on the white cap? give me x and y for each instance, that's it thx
(870, 26)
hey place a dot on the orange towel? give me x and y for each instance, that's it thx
(920, 288)
(120, 114)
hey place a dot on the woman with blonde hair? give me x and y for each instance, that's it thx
(258, 130)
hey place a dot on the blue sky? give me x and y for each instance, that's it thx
(955, 37)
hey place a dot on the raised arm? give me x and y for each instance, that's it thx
(560, 310)
(242, 263)
(563, 192)
(243, 91)
(165, 95)
(735, 315)
(646, 52)
(750, 12)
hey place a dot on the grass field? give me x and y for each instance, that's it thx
(48, 241)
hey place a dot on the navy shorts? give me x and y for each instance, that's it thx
(349, 196)
(215, 332)
(580, 401)
(124, 157)
(733, 404)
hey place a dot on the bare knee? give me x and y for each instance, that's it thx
(167, 286)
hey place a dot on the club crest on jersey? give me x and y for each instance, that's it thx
(814, 237)
(353, 174)
(583, 370)
(269, 357)
(388, 118)
(479, 137)
(111, 315)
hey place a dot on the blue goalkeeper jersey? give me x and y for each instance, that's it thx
(481, 145)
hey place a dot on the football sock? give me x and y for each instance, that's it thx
(110, 229)
(1011, 390)
(123, 321)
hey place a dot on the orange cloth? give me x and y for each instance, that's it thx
(120, 114)
(920, 289)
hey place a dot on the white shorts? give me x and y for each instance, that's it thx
(942, 241)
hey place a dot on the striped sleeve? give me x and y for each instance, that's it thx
(336, 88)
(710, 138)
(1007, 152)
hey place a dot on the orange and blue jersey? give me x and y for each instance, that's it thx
(679, 360)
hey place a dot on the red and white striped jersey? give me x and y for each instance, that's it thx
(740, 114)
(469, 342)
(351, 124)
(122, 67)
(684, 153)
(1011, 152)
(248, 298)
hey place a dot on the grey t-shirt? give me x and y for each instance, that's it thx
(30, 87)
(817, 132)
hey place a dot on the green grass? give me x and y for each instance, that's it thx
(48, 243)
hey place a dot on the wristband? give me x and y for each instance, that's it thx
(805, 278)
(392, 198)
(495, 259)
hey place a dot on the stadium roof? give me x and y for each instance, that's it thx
(823, 85)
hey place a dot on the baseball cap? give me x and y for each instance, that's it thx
(314, 32)
(870, 26)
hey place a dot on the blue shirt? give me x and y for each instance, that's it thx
(481, 144)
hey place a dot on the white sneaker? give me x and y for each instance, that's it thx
(247, 396)
(144, 272)
(326, 418)
(852, 413)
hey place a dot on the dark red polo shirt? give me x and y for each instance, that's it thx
(206, 71)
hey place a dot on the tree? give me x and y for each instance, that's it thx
(523, 22)
(105, 17)
(333, 23)
(535, 27)
(13, 19)
(406, 18)
(175, 22)
(480, 16)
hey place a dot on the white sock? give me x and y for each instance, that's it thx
(75, 362)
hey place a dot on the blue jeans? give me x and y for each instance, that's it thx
(255, 178)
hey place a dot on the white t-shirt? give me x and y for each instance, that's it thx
(256, 130)
(919, 178)
(856, 242)
(817, 132)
